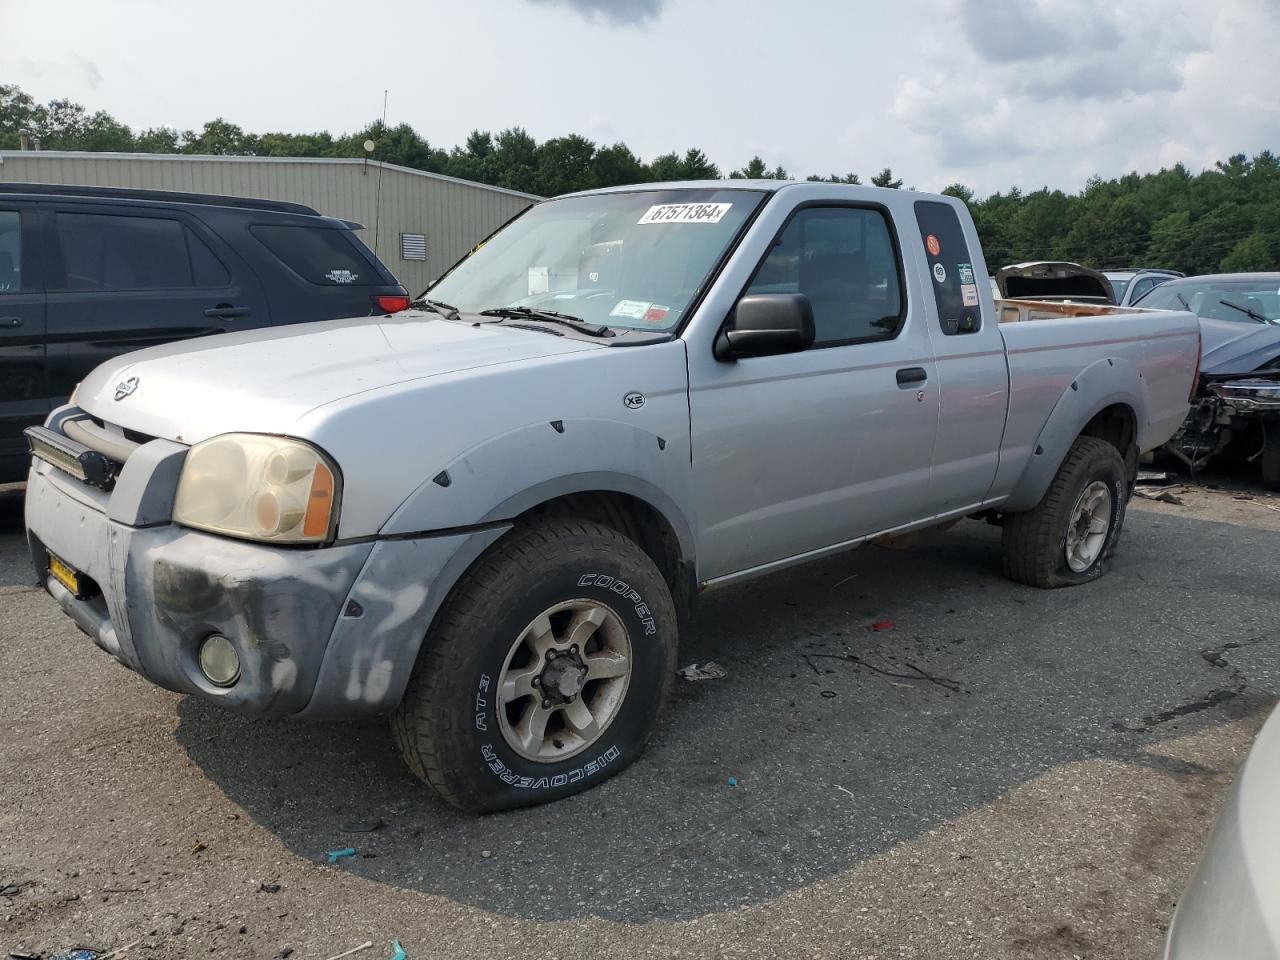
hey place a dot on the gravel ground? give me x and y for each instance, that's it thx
(1003, 772)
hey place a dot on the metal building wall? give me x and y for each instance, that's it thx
(454, 214)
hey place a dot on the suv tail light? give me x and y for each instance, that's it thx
(391, 304)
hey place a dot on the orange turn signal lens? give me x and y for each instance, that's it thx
(320, 503)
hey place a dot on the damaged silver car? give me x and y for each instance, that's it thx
(1237, 408)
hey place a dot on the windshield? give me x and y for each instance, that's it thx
(1248, 300)
(1119, 283)
(630, 260)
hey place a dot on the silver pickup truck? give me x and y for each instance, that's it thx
(483, 516)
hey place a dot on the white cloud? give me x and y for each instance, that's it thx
(992, 93)
(82, 71)
(623, 12)
(1018, 31)
(1053, 91)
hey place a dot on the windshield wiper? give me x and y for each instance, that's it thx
(551, 316)
(1246, 311)
(446, 310)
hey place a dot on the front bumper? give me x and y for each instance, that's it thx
(322, 631)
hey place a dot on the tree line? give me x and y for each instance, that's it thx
(1222, 219)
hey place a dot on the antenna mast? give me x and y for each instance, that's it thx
(377, 192)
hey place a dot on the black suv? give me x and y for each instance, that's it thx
(87, 273)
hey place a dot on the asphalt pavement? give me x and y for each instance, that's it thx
(909, 756)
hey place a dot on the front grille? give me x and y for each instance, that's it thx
(95, 435)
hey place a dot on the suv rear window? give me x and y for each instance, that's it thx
(319, 254)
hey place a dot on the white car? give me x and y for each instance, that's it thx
(1131, 284)
(1231, 907)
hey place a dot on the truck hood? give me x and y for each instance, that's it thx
(265, 380)
(1232, 347)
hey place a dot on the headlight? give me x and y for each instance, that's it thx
(259, 488)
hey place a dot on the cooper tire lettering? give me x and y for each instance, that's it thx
(509, 776)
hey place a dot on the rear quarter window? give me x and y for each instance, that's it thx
(321, 255)
(951, 273)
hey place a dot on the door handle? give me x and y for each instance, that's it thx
(225, 311)
(10, 321)
(910, 376)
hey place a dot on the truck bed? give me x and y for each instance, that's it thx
(1017, 311)
(1059, 349)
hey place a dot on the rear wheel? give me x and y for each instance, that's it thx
(1070, 536)
(545, 673)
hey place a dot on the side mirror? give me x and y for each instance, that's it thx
(763, 324)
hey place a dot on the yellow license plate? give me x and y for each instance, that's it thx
(64, 574)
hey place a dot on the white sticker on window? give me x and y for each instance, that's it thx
(685, 213)
(342, 276)
(539, 280)
(631, 309)
(640, 310)
(969, 291)
(939, 273)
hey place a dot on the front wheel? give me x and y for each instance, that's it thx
(1070, 536)
(546, 671)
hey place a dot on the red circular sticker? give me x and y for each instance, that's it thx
(932, 245)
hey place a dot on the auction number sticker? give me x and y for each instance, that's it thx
(939, 273)
(685, 213)
(630, 309)
(640, 310)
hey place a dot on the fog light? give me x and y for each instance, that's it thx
(219, 660)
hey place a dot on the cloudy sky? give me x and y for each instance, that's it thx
(991, 93)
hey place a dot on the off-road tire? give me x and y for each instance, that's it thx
(446, 727)
(1034, 542)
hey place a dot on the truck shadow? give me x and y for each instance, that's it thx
(15, 568)
(11, 496)
(869, 698)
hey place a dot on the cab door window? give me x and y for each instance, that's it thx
(845, 260)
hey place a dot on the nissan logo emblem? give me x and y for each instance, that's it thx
(125, 388)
